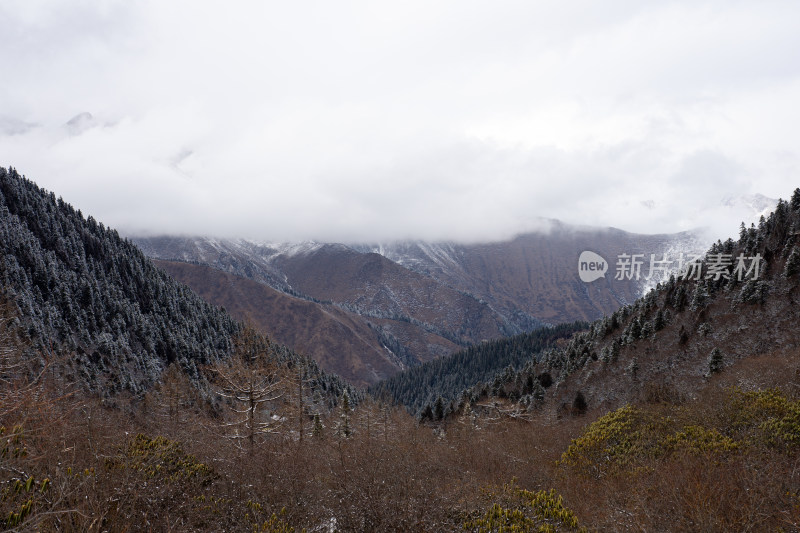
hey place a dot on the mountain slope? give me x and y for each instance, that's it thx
(97, 305)
(371, 284)
(525, 281)
(353, 346)
(446, 378)
(420, 300)
(535, 275)
(685, 333)
(333, 273)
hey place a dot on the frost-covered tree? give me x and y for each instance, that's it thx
(715, 361)
(344, 428)
(792, 264)
(699, 296)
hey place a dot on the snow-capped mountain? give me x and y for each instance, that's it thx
(408, 302)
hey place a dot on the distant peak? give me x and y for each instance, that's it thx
(80, 123)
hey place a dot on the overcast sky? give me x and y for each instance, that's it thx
(353, 121)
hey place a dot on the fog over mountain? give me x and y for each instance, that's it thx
(366, 311)
(361, 123)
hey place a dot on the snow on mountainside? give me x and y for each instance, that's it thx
(456, 265)
(535, 264)
(750, 206)
(420, 300)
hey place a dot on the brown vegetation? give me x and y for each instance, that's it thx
(724, 461)
(340, 341)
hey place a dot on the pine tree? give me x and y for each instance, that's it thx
(579, 405)
(438, 409)
(317, 432)
(715, 361)
(795, 202)
(633, 368)
(792, 264)
(700, 296)
(659, 321)
(344, 429)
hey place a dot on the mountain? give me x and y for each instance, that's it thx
(532, 278)
(354, 346)
(729, 325)
(444, 379)
(393, 306)
(365, 283)
(98, 306)
(677, 412)
(751, 206)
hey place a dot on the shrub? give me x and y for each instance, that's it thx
(526, 511)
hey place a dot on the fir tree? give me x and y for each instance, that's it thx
(438, 409)
(317, 432)
(344, 429)
(795, 202)
(792, 264)
(715, 361)
(700, 296)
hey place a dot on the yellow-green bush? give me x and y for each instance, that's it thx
(21, 493)
(275, 524)
(625, 439)
(525, 511)
(766, 416)
(164, 457)
(697, 439)
(614, 441)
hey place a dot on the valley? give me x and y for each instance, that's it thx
(414, 301)
(128, 397)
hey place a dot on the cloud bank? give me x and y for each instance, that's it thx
(351, 121)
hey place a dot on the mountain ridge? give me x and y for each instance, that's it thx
(95, 303)
(424, 300)
(687, 332)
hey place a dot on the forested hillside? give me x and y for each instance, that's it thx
(360, 348)
(444, 380)
(421, 300)
(740, 302)
(97, 303)
(680, 412)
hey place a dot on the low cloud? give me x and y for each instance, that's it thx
(353, 122)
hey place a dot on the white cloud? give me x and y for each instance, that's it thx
(352, 120)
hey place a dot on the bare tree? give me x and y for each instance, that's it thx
(173, 399)
(304, 403)
(252, 381)
(21, 377)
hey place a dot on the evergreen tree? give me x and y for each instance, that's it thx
(715, 361)
(81, 289)
(344, 429)
(318, 430)
(659, 321)
(700, 296)
(792, 264)
(438, 409)
(579, 404)
(496, 362)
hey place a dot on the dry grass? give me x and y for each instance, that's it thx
(390, 475)
(725, 461)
